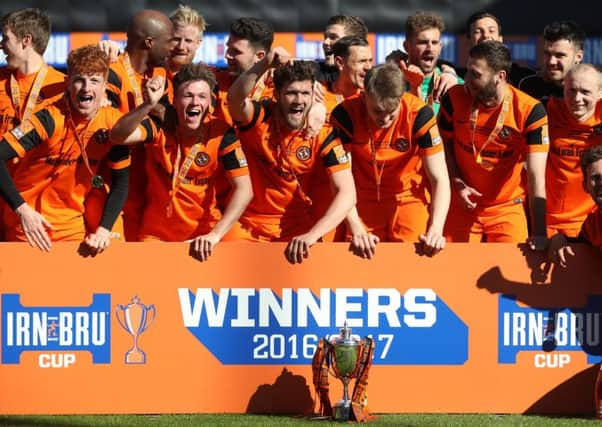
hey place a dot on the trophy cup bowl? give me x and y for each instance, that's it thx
(135, 318)
(344, 361)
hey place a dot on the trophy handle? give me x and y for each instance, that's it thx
(149, 320)
(121, 309)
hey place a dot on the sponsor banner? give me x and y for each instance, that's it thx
(309, 46)
(408, 328)
(524, 49)
(386, 43)
(478, 328)
(212, 50)
(592, 50)
(574, 329)
(56, 328)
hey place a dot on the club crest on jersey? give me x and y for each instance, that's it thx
(598, 129)
(101, 136)
(401, 145)
(303, 153)
(202, 159)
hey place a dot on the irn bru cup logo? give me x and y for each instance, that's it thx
(551, 333)
(135, 318)
(56, 329)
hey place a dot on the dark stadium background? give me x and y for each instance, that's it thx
(522, 22)
(519, 17)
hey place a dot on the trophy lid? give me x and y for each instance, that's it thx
(345, 331)
(345, 335)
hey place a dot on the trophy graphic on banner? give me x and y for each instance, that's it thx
(345, 357)
(135, 318)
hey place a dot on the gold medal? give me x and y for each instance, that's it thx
(97, 181)
(484, 163)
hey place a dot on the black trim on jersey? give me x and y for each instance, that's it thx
(230, 161)
(118, 153)
(256, 110)
(331, 137)
(534, 137)
(118, 194)
(424, 115)
(8, 191)
(114, 79)
(342, 116)
(112, 96)
(146, 124)
(537, 113)
(422, 118)
(47, 121)
(228, 139)
(30, 140)
(330, 159)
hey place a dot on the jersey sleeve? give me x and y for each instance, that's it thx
(333, 154)
(425, 131)
(261, 113)
(341, 121)
(114, 89)
(119, 157)
(232, 156)
(536, 129)
(38, 128)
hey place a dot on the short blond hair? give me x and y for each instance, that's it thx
(185, 15)
(386, 84)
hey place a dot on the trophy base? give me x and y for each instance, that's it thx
(342, 410)
(135, 357)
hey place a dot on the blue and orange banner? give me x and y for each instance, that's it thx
(145, 328)
(525, 49)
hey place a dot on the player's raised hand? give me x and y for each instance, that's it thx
(278, 56)
(153, 90)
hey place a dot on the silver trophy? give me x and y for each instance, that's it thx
(343, 360)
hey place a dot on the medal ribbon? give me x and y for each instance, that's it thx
(15, 95)
(181, 170)
(95, 178)
(378, 173)
(499, 124)
(259, 87)
(132, 78)
(284, 152)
